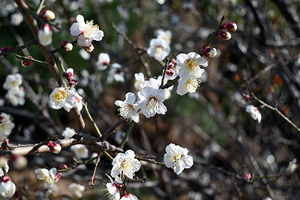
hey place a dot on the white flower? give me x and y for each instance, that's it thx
(129, 196)
(79, 103)
(114, 187)
(16, 97)
(76, 189)
(48, 176)
(125, 164)
(62, 98)
(189, 65)
(6, 126)
(139, 79)
(45, 35)
(159, 49)
(68, 132)
(16, 19)
(3, 166)
(7, 188)
(115, 73)
(152, 101)
(103, 61)
(254, 112)
(84, 54)
(176, 158)
(187, 85)
(80, 150)
(127, 107)
(86, 32)
(12, 82)
(165, 35)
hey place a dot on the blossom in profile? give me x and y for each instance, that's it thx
(128, 107)
(139, 79)
(45, 35)
(164, 35)
(115, 73)
(3, 166)
(103, 61)
(113, 188)
(48, 176)
(7, 187)
(62, 98)
(124, 164)
(254, 112)
(177, 158)
(189, 65)
(68, 132)
(76, 189)
(159, 49)
(187, 85)
(6, 125)
(152, 101)
(80, 151)
(16, 97)
(12, 82)
(86, 31)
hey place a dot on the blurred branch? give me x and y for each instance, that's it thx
(271, 107)
(28, 44)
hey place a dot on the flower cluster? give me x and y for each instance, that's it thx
(15, 94)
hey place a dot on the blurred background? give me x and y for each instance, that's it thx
(225, 142)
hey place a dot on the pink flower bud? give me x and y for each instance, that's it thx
(68, 46)
(170, 72)
(26, 63)
(5, 179)
(209, 52)
(17, 195)
(224, 35)
(89, 48)
(246, 98)
(69, 73)
(64, 167)
(47, 15)
(54, 147)
(58, 176)
(232, 27)
(5, 49)
(173, 61)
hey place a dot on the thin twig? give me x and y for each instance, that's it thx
(92, 120)
(95, 169)
(127, 134)
(31, 59)
(112, 128)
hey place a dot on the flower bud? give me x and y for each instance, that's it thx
(6, 49)
(89, 48)
(58, 176)
(246, 98)
(232, 27)
(68, 46)
(54, 147)
(224, 35)
(209, 52)
(17, 195)
(45, 35)
(69, 73)
(173, 61)
(18, 162)
(170, 72)
(47, 15)
(26, 63)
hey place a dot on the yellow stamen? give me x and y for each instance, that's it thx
(61, 95)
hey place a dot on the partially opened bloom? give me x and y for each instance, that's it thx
(47, 15)
(103, 61)
(177, 158)
(45, 35)
(62, 98)
(80, 150)
(128, 107)
(159, 49)
(189, 65)
(76, 189)
(128, 196)
(68, 132)
(7, 187)
(12, 82)
(152, 101)
(125, 164)
(16, 19)
(86, 32)
(254, 112)
(48, 176)
(6, 126)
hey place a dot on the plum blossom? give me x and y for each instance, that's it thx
(86, 32)
(16, 97)
(76, 189)
(3, 166)
(12, 82)
(80, 150)
(6, 125)
(48, 15)
(189, 65)
(62, 98)
(254, 112)
(187, 85)
(152, 101)
(115, 73)
(159, 49)
(113, 188)
(125, 164)
(7, 187)
(128, 107)
(45, 35)
(177, 158)
(103, 61)
(68, 132)
(139, 79)
(128, 196)
(48, 176)
(165, 35)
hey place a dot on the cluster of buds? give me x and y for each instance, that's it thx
(209, 52)
(68, 46)
(54, 147)
(47, 15)
(25, 62)
(170, 68)
(69, 73)
(224, 33)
